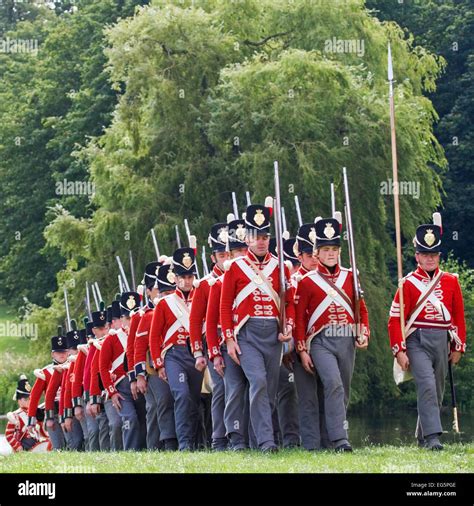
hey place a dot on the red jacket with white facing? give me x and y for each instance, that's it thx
(131, 342)
(447, 291)
(214, 337)
(142, 340)
(242, 298)
(166, 330)
(111, 360)
(17, 429)
(317, 307)
(41, 384)
(198, 311)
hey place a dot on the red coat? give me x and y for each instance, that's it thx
(166, 330)
(315, 309)
(42, 379)
(131, 342)
(95, 384)
(142, 340)
(255, 303)
(111, 360)
(77, 387)
(53, 391)
(198, 311)
(67, 401)
(17, 429)
(448, 291)
(213, 326)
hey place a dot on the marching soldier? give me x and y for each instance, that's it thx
(218, 243)
(169, 341)
(113, 374)
(100, 330)
(249, 318)
(325, 334)
(435, 330)
(236, 409)
(17, 434)
(148, 380)
(43, 377)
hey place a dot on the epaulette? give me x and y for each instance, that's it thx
(40, 374)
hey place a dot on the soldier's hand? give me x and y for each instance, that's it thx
(162, 374)
(79, 412)
(287, 361)
(455, 357)
(286, 337)
(133, 389)
(362, 342)
(219, 366)
(95, 409)
(307, 362)
(88, 409)
(63, 427)
(68, 424)
(233, 350)
(116, 400)
(141, 384)
(200, 364)
(49, 424)
(402, 359)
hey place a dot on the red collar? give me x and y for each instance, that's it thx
(181, 295)
(324, 270)
(423, 274)
(302, 270)
(216, 271)
(254, 258)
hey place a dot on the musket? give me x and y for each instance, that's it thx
(358, 293)
(396, 204)
(122, 272)
(298, 211)
(234, 206)
(96, 300)
(132, 269)
(120, 284)
(453, 398)
(68, 316)
(333, 201)
(98, 291)
(247, 196)
(155, 244)
(88, 301)
(279, 243)
(204, 261)
(192, 244)
(178, 239)
(283, 220)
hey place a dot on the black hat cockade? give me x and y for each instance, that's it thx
(184, 262)
(129, 301)
(58, 342)
(23, 388)
(218, 237)
(428, 237)
(99, 318)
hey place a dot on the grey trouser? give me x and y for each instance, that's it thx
(427, 351)
(185, 383)
(164, 406)
(115, 426)
(287, 409)
(128, 413)
(219, 439)
(236, 412)
(333, 355)
(260, 361)
(152, 427)
(56, 435)
(75, 438)
(98, 430)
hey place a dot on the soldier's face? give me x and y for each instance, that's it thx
(185, 283)
(99, 331)
(59, 356)
(24, 402)
(238, 252)
(152, 293)
(219, 258)
(308, 260)
(258, 244)
(328, 255)
(428, 261)
(116, 323)
(125, 322)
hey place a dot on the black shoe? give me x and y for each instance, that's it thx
(422, 443)
(344, 447)
(433, 444)
(269, 449)
(239, 448)
(171, 445)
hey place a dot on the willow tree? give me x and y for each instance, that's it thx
(211, 93)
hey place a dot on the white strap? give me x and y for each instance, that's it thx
(180, 312)
(437, 304)
(252, 286)
(331, 296)
(122, 337)
(172, 330)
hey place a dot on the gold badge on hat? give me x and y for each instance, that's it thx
(240, 232)
(259, 217)
(27, 387)
(102, 316)
(60, 342)
(312, 235)
(131, 302)
(171, 277)
(222, 235)
(187, 261)
(295, 249)
(429, 237)
(329, 231)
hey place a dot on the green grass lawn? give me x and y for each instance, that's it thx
(455, 458)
